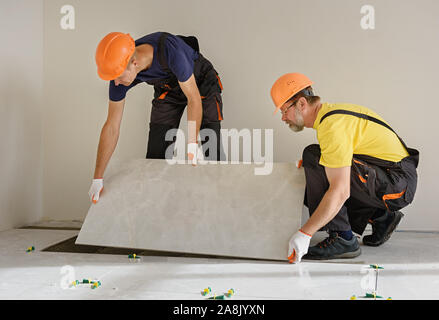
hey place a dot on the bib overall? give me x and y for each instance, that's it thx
(169, 103)
(376, 186)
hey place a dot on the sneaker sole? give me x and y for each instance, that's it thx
(388, 232)
(346, 255)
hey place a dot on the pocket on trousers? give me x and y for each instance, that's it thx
(365, 176)
(212, 108)
(397, 195)
(396, 201)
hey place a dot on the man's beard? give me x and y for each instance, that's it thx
(299, 124)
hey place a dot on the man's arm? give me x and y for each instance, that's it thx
(195, 109)
(109, 137)
(334, 198)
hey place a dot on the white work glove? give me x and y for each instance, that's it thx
(95, 189)
(194, 153)
(298, 246)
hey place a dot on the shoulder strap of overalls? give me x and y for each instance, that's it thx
(161, 52)
(363, 116)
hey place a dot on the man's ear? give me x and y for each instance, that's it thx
(301, 103)
(133, 60)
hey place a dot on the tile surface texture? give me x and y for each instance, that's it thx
(219, 209)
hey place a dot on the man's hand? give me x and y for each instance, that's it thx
(194, 153)
(298, 246)
(95, 190)
(192, 150)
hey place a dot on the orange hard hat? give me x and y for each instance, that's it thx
(113, 54)
(287, 86)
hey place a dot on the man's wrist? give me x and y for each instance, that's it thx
(305, 233)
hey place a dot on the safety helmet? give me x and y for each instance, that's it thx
(113, 54)
(287, 86)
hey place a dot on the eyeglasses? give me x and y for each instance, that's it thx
(288, 108)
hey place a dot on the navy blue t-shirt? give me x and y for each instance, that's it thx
(180, 57)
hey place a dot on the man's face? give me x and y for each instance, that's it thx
(128, 76)
(292, 116)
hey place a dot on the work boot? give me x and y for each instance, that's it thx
(382, 228)
(334, 247)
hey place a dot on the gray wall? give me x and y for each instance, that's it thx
(21, 89)
(392, 69)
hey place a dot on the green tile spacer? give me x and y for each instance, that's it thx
(95, 284)
(206, 291)
(230, 293)
(372, 295)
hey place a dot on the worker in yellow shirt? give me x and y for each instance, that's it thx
(360, 172)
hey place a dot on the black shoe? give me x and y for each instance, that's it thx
(382, 228)
(334, 247)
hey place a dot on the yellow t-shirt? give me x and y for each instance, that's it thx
(341, 136)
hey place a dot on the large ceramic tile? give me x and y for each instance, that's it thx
(219, 209)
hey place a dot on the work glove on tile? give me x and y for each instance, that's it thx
(298, 246)
(95, 190)
(194, 153)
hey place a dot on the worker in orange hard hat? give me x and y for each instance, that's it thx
(181, 76)
(360, 172)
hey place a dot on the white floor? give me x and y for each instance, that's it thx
(410, 261)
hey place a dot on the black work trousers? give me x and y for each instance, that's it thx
(169, 103)
(376, 186)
